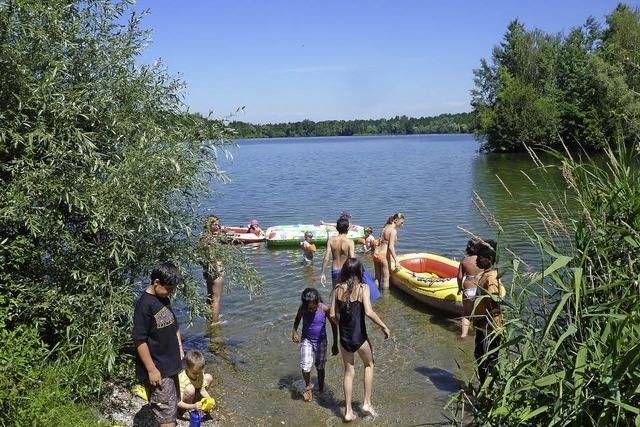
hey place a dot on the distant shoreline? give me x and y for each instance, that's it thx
(458, 123)
(347, 136)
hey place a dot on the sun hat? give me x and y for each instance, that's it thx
(254, 222)
(345, 214)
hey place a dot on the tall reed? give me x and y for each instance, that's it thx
(570, 353)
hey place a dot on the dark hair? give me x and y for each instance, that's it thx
(493, 244)
(308, 296)
(167, 273)
(342, 225)
(352, 274)
(472, 247)
(486, 251)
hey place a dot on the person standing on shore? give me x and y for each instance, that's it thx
(487, 314)
(158, 344)
(350, 303)
(468, 275)
(385, 252)
(213, 269)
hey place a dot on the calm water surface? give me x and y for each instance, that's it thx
(431, 179)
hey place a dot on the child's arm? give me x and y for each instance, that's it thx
(332, 309)
(334, 330)
(190, 406)
(155, 378)
(368, 311)
(180, 344)
(325, 260)
(294, 333)
(460, 276)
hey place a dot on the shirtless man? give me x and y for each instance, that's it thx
(339, 248)
(386, 250)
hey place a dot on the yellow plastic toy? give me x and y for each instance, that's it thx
(140, 392)
(375, 242)
(312, 248)
(361, 241)
(207, 404)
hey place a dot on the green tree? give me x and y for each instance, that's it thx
(101, 173)
(519, 117)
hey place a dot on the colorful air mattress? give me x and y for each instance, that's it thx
(292, 235)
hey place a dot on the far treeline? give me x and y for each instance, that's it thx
(399, 125)
(580, 89)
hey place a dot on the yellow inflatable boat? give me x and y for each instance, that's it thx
(430, 279)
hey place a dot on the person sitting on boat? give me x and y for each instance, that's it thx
(468, 275)
(254, 228)
(308, 248)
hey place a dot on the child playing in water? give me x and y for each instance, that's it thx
(193, 382)
(369, 240)
(308, 248)
(313, 345)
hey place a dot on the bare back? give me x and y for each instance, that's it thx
(387, 235)
(470, 271)
(341, 248)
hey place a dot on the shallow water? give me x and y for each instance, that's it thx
(431, 179)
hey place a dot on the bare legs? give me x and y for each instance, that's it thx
(214, 295)
(366, 355)
(347, 383)
(467, 307)
(384, 267)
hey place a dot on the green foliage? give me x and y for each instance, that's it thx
(101, 173)
(571, 341)
(520, 116)
(399, 125)
(581, 89)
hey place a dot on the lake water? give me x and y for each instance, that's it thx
(432, 180)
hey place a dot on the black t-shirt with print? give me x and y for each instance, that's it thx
(155, 323)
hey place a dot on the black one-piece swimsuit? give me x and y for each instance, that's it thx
(353, 331)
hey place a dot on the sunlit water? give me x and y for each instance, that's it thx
(431, 179)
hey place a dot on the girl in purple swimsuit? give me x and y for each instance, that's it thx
(313, 346)
(350, 303)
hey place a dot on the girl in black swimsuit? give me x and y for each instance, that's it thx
(350, 303)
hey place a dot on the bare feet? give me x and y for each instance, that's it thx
(368, 409)
(307, 395)
(349, 416)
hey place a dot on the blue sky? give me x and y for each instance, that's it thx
(320, 60)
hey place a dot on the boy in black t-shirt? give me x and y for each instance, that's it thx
(158, 344)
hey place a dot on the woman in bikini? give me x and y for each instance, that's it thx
(468, 275)
(350, 303)
(386, 249)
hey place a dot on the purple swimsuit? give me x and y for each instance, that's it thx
(314, 325)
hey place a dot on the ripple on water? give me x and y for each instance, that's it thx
(432, 180)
